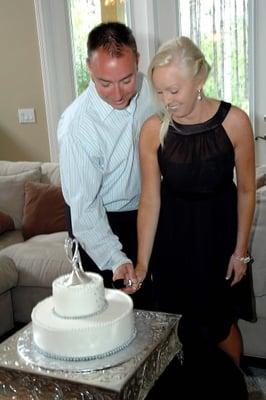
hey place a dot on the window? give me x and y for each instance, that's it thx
(152, 23)
(220, 28)
(84, 16)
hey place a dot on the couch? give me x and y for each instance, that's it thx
(32, 247)
(32, 235)
(8, 280)
(254, 334)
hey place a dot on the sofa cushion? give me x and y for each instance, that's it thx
(8, 274)
(40, 259)
(50, 173)
(6, 223)
(10, 237)
(12, 193)
(257, 243)
(261, 307)
(44, 209)
(16, 167)
(260, 176)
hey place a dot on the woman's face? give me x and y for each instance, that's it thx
(175, 90)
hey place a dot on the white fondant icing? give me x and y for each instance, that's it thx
(78, 300)
(91, 336)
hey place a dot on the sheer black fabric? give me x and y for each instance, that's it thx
(197, 230)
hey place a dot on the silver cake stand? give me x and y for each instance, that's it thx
(29, 353)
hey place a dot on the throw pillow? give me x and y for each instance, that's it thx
(6, 223)
(44, 209)
(12, 193)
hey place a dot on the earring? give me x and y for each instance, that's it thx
(199, 97)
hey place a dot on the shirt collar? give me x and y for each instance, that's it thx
(104, 109)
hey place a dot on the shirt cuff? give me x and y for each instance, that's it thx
(124, 261)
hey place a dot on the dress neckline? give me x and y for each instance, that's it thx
(211, 123)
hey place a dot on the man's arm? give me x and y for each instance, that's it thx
(81, 178)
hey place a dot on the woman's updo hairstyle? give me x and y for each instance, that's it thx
(188, 57)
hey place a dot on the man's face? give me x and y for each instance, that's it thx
(115, 78)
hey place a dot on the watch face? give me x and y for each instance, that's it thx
(245, 260)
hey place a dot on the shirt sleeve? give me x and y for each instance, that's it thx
(81, 178)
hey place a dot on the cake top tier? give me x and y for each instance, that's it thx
(80, 300)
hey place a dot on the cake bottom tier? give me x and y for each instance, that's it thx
(92, 337)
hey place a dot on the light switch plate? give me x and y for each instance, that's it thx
(26, 116)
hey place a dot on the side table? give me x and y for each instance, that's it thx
(130, 380)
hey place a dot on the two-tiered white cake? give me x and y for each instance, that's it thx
(84, 321)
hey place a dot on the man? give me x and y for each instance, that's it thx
(99, 162)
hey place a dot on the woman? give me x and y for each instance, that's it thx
(190, 206)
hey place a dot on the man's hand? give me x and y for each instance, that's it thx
(127, 273)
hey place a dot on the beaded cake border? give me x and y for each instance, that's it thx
(88, 358)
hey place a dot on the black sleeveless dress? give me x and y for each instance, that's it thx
(197, 230)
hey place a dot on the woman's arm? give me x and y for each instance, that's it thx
(241, 135)
(149, 207)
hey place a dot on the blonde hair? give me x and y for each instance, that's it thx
(187, 56)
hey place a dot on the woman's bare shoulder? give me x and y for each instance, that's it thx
(237, 116)
(153, 122)
(150, 131)
(237, 121)
(238, 126)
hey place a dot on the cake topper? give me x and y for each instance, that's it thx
(77, 276)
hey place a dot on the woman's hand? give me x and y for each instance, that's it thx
(141, 272)
(236, 269)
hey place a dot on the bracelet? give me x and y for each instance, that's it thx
(244, 260)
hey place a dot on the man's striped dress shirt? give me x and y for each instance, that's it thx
(99, 167)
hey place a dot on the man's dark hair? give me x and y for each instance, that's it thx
(113, 37)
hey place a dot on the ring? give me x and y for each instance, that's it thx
(129, 283)
(140, 283)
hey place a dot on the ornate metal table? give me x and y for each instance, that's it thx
(129, 375)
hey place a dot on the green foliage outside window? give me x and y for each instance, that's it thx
(220, 29)
(84, 15)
